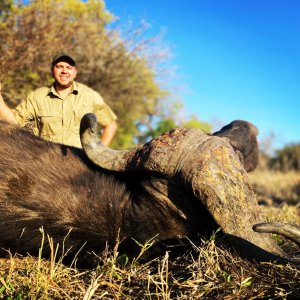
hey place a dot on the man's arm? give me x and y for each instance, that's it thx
(6, 113)
(108, 133)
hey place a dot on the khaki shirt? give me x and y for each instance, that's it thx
(58, 120)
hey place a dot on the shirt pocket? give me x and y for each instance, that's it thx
(80, 111)
(50, 124)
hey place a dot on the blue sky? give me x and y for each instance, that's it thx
(238, 59)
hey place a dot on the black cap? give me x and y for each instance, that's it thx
(63, 57)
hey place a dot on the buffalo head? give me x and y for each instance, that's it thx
(186, 167)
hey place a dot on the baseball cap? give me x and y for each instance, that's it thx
(62, 56)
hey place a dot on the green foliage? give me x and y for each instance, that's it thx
(286, 159)
(194, 122)
(5, 8)
(164, 124)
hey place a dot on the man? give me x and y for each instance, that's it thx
(55, 112)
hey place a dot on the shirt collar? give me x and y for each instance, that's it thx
(74, 89)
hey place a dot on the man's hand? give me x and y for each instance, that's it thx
(108, 133)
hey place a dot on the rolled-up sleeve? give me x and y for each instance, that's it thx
(104, 114)
(24, 112)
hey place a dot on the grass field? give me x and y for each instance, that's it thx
(209, 270)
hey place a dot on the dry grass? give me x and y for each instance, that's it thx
(275, 188)
(210, 270)
(279, 195)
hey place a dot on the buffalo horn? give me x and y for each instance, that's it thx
(289, 231)
(104, 157)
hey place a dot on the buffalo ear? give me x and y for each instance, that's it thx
(242, 136)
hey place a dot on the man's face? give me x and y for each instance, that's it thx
(64, 73)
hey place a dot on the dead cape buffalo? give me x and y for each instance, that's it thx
(184, 183)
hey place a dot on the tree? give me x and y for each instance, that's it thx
(287, 158)
(31, 34)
